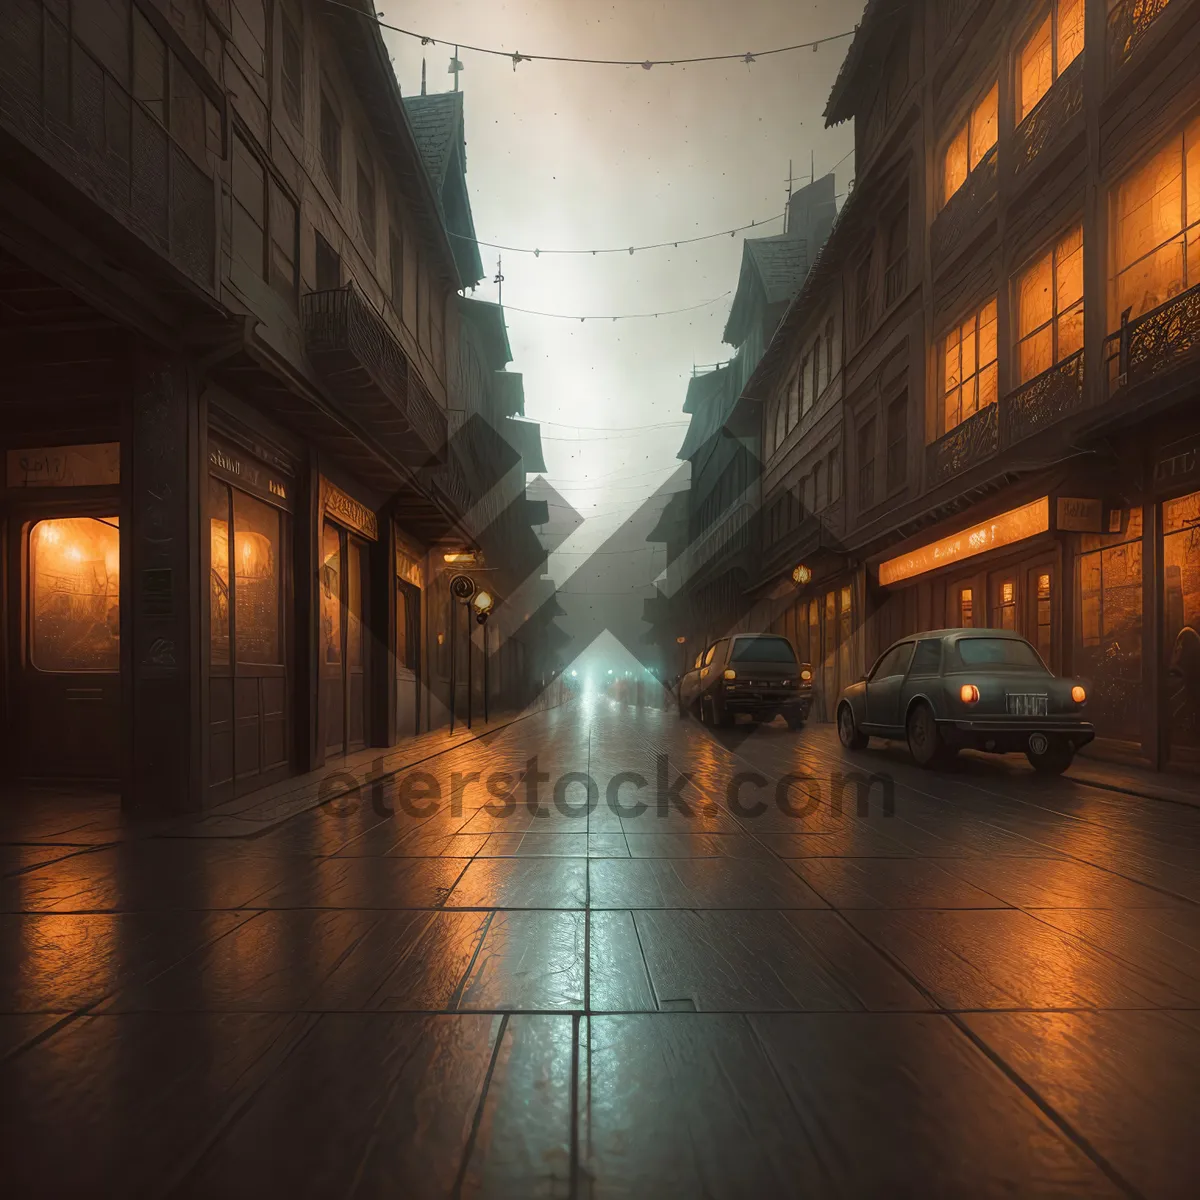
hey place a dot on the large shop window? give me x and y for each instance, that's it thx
(246, 582)
(969, 368)
(1050, 308)
(75, 595)
(1157, 227)
(1052, 47)
(1181, 626)
(970, 143)
(1109, 651)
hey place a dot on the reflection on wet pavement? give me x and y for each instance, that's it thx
(720, 981)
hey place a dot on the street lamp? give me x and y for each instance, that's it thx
(482, 603)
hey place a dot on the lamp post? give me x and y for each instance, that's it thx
(482, 605)
(462, 587)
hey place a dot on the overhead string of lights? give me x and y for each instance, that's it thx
(670, 312)
(646, 64)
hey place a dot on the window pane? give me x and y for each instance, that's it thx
(953, 361)
(951, 410)
(954, 173)
(256, 580)
(989, 386)
(1035, 296)
(1035, 71)
(969, 361)
(331, 594)
(283, 241)
(987, 333)
(985, 122)
(1036, 354)
(218, 573)
(1149, 205)
(1068, 270)
(149, 67)
(1153, 281)
(1070, 332)
(1070, 31)
(75, 594)
(1193, 174)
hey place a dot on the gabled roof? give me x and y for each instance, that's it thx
(869, 49)
(772, 270)
(437, 124)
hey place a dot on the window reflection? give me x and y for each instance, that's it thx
(970, 143)
(331, 594)
(969, 364)
(75, 594)
(1050, 308)
(256, 583)
(218, 573)
(1051, 48)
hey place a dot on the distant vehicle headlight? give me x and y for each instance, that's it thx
(968, 693)
(806, 675)
(730, 673)
(1079, 694)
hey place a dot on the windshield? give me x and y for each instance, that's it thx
(763, 650)
(997, 654)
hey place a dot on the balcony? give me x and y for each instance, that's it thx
(1128, 24)
(70, 111)
(1162, 340)
(1051, 120)
(964, 212)
(1029, 410)
(361, 363)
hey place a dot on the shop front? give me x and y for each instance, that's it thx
(348, 530)
(62, 533)
(250, 588)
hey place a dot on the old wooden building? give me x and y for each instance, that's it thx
(238, 444)
(1016, 277)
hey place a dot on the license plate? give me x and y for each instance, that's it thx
(1025, 704)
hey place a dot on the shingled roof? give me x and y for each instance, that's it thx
(437, 123)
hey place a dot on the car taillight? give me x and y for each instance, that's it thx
(806, 675)
(968, 693)
(1079, 694)
(730, 673)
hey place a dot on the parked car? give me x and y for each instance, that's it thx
(754, 673)
(987, 689)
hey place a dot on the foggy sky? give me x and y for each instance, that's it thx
(562, 155)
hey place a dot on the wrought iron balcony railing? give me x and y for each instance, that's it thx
(367, 371)
(62, 103)
(1032, 408)
(1128, 23)
(964, 212)
(1159, 341)
(1050, 118)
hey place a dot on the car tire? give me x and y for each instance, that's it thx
(851, 737)
(925, 742)
(1054, 762)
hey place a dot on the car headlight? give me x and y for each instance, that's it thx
(968, 693)
(806, 675)
(730, 673)
(1079, 694)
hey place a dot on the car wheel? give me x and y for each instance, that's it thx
(848, 732)
(925, 743)
(1053, 762)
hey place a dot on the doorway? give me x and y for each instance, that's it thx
(69, 601)
(343, 649)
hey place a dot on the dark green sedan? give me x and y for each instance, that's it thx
(983, 689)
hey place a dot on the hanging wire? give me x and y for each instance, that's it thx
(670, 312)
(646, 64)
(537, 252)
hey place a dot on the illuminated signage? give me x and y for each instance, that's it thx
(243, 472)
(65, 466)
(349, 512)
(1013, 526)
(1078, 515)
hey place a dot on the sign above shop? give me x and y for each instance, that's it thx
(244, 472)
(1079, 515)
(1177, 463)
(349, 512)
(95, 465)
(409, 569)
(1013, 526)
